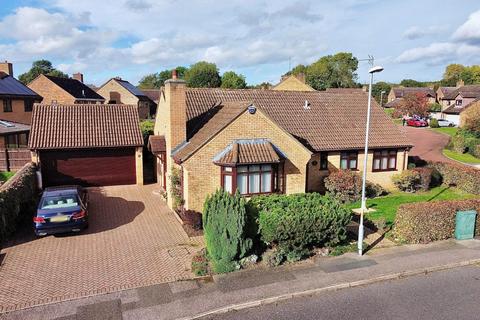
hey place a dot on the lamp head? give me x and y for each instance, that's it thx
(376, 69)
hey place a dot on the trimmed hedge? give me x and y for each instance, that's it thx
(346, 186)
(424, 222)
(465, 178)
(298, 222)
(414, 179)
(18, 200)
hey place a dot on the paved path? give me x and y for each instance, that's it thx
(428, 144)
(184, 299)
(133, 240)
(451, 294)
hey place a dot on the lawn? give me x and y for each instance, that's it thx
(451, 131)
(462, 157)
(4, 176)
(386, 207)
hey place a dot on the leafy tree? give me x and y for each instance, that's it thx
(157, 80)
(203, 75)
(297, 70)
(333, 71)
(414, 104)
(263, 85)
(40, 67)
(377, 89)
(412, 83)
(233, 81)
(452, 74)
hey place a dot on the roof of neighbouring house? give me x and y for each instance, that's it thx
(153, 94)
(157, 144)
(331, 121)
(394, 103)
(454, 109)
(401, 92)
(75, 88)
(345, 90)
(446, 90)
(85, 126)
(7, 127)
(249, 151)
(468, 91)
(11, 87)
(293, 83)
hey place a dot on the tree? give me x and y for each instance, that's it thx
(333, 71)
(157, 80)
(413, 104)
(452, 74)
(412, 83)
(377, 89)
(40, 67)
(203, 75)
(297, 70)
(232, 80)
(263, 86)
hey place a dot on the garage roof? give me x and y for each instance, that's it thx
(85, 126)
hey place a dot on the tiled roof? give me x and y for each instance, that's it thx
(469, 91)
(447, 90)
(401, 92)
(153, 94)
(84, 126)
(345, 90)
(332, 121)
(7, 126)
(454, 109)
(247, 152)
(392, 104)
(157, 144)
(11, 87)
(75, 88)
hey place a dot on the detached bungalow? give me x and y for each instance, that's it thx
(401, 92)
(267, 141)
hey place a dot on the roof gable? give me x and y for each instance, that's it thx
(403, 91)
(75, 88)
(11, 87)
(292, 83)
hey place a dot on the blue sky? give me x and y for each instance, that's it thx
(131, 38)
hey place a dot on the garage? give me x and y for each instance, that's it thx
(88, 167)
(88, 145)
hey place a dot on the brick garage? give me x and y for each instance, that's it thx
(89, 145)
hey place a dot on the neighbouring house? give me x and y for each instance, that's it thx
(394, 103)
(267, 141)
(119, 91)
(14, 153)
(154, 95)
(64, 91)
(293, 83)
(90, 145)
(400, 92)
(347, 90)
(441, 93)
(457, 100)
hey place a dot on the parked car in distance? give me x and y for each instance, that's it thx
(445, 123)
(416, 122)
(61, 210)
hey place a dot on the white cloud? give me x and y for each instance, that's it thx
(416, 32)
(470, 30)
(433, 52)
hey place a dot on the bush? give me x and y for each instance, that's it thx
(18, 200)
(407, 181)
(434, 123)
(425, 177)
(476, 151)
(200, 263)
(273, 258)
(224, 225)
(296, 223)
(458, 144)
(471, 144)
(465, 178)
(346, 186)
(423, 222)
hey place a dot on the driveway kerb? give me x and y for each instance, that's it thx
(340, 286)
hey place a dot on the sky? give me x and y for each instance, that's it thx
(259, 39)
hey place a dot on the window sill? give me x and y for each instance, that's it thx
(387, 170)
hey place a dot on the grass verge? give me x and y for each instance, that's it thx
(5, 175)
(451, 131)
(462, 157)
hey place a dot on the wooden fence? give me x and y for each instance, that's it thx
(14, 159)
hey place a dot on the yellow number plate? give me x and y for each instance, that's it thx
(59, 219)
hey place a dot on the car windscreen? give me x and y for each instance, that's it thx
(60, 201)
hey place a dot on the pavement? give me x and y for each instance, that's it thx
(133, 240)
(220, 294)
(450, 294)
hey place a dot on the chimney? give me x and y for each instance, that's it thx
(176, 112)
(78, 76)
(6, 67)
(460, 83)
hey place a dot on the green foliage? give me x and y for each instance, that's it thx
(471, 119)
(18, 199)
(263, 86)
(333, 71)
(435, 107)
(200, 263)
(146, 126)
(346, 186)
(412, 83)
(5, 175)
(157, 80)
(176, 187)
(296, 223)
(40, 67)
(431, 221)
(225, 232)
(203, 75)
(465, 178)
(407, 181)
(274, 257)
(231, 80)
(458, 144)
(377, 89)
(456, 72)
(461, 157)
(434, 123)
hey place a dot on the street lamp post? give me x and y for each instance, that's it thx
(381, 98)
(365, 156)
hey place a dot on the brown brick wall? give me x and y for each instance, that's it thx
(112, 90)
(50, 91)
(293, 84)
(18, 113)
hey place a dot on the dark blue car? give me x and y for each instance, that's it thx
(61, 210)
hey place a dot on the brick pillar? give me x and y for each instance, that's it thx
(139, 165)
(6, 67)
(78, 76)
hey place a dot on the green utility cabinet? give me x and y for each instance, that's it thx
(465, 224)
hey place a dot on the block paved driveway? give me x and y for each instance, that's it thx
(133, 240)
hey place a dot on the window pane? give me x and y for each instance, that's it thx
(353, 164)
(391, 164)
(242, 169)
(242, 183)
(376, 164)
(227, 183)
(254, 168)
(266, 167)
(343, 164)
(266, 182)
(254, 183)
(384, 163)
(22, 140)
(11, 141)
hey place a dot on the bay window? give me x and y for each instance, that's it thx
(384, 160)
(252, 179)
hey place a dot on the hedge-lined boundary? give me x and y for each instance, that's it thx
(18, 199)
(465, 178)
(424, 222)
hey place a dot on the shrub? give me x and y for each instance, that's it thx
(458, 144)
(434, 123)
(476, 151)
(423, 222)
(18, 199)
(425, 177)
(224, 224)
(346, 186)
(298, 222)
(408, 180)
(273, 258)
(465, 178)
(200, 263)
